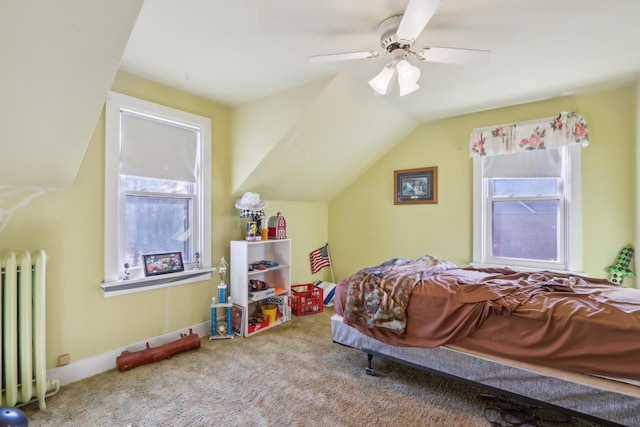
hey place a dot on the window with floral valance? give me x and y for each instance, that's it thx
(527, 205)
(542, 134)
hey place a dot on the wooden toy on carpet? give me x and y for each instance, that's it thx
(129, 360)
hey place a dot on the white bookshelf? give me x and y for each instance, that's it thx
(245, 253)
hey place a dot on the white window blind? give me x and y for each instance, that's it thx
(149, 149)
(526, 164)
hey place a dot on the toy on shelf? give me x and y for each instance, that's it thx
(256, 322)
(252, 207)
(263, 265)
(277, 227)
(257, 285)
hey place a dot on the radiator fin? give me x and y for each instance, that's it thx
(22, 324)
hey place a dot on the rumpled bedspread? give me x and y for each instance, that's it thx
(581, 324)
(379, 296)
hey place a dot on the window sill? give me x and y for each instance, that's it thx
(122, 287)
(525, 269)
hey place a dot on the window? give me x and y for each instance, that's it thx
(158, 218)
(527, 210)
(157, 185)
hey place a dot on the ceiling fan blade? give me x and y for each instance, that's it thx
(343, 56)
(415, 18)
(450, 55)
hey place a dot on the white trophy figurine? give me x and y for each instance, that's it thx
(222, 287)
(223, 268)
(196, 261)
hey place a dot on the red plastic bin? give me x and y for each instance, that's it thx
(306, 299)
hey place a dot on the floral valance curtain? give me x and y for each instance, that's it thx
(543, 134)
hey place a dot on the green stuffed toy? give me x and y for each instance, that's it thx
(620, 269)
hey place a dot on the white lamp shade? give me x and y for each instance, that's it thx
(407, 73)
(383, 80)
(406, 89)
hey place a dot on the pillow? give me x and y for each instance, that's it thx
(328, 290)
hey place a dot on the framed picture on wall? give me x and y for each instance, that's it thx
(415, 186)
(155, 264)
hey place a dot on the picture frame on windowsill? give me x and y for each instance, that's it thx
(162, 263)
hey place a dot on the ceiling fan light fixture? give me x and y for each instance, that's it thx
(397, 35)
(406, 89)
(407, 73)
(382, 82)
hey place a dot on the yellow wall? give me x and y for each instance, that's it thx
(366, 228)
(68, 224)
(307, 227)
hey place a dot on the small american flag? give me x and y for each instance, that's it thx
(320, 259)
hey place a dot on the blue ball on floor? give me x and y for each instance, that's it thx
(13, 417)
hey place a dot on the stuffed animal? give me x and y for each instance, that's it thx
(620, 269)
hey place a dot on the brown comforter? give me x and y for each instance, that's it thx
(569, 322)
(379, 296)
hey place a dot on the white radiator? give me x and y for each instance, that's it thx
(22, 324)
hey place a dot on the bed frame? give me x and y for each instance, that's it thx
(605, 401)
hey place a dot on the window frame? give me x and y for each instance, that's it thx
(569, 224)
(114, 195)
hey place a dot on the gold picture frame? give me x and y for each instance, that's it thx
(415, 186)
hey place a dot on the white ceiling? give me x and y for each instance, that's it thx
(59, 61)
(238, 51)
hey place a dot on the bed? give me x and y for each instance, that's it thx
(567, 341)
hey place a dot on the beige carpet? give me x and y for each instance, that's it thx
(292, 375)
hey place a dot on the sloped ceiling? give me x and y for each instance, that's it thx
(59, 59)
(334, 137)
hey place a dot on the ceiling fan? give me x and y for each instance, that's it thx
(398, 34)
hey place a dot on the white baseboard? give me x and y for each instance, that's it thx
(75, 371)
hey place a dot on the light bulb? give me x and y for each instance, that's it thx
(407, 73)
(383, 80)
